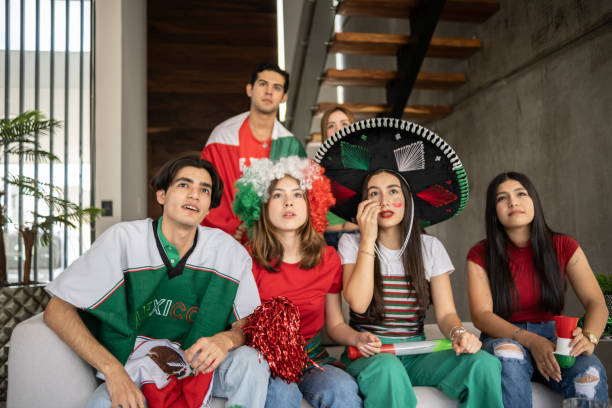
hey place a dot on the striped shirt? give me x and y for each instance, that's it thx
(317, 353)
(403, 317)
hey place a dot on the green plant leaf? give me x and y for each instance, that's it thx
(605, 283)
(32, 154)
(18, 129)
(17, 137)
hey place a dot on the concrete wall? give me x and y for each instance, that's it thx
(538, 101)
(120, 109)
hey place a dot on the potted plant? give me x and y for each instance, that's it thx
(21, 300)
(17, 136)
(605, 283)
(68, 213)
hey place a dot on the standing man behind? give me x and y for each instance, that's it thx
(254, 134)
(164, 279)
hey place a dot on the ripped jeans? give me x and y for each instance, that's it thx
(519, 369)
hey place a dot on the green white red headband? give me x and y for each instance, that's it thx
(253, 188)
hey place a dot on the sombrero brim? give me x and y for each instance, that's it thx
(432, 168)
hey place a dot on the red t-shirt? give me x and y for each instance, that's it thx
(249, 147)
(306, 288)
(525, 279)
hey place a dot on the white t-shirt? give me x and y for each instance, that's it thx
(435, 258)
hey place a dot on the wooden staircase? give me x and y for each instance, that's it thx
(380, 78)
(469, 11)
(389, 44)
(410, 51)
(414, 112)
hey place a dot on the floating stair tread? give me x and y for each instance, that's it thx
(380, 78)
(446, 47)
(388, 44)
(416, 112)
(367, 43)
(472, 11)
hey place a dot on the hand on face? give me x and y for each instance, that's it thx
(385, 189)
(367, 218)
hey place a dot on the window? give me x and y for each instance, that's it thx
(46, 64)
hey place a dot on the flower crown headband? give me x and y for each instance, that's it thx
(252, 188)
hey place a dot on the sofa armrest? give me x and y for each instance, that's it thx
(43, 371)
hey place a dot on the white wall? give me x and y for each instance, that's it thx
(292, 13)
(120, 109)
(134, 120)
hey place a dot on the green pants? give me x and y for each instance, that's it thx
(386, 380)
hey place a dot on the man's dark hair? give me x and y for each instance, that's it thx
(270, 66)
(165, 176)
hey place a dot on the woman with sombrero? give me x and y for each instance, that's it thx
(393, 177)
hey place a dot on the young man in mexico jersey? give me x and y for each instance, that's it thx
(166, 279)
(254, 134)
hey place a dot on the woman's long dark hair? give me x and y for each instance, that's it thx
(412, 258)
(547, 268)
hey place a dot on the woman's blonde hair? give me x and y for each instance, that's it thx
(266, 248)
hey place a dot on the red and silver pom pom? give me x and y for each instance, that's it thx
(274, 330)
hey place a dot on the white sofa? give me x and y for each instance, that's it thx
(44, 372)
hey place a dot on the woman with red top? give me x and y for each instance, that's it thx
(516, 282)
(284, 205)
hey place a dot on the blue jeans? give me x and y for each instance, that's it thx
(241, 378)
(519, 369)
(332, 388)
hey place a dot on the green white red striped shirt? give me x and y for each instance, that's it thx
(403, 317)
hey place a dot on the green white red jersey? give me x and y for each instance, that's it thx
(125, 289)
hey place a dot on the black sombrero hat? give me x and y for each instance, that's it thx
(429, 165)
